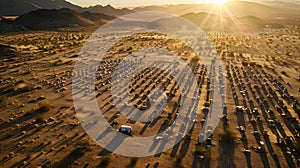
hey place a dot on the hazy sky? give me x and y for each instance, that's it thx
(129, 3)
(135, 3)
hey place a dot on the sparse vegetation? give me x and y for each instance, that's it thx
(179, 158)
(195, 59)
(21, 88)
(284, 73)
(43, 105)
(252, 64)
(2, 101)
(105, 160)
(297, 145)
(83, 143)
(200, 150)
(78, 152)
(296, 107)
(245, 63)
(133, 161)
(228, 135)
(207, 154)
(259, 66)
(39, 119)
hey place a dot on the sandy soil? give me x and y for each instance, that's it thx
(39, 126)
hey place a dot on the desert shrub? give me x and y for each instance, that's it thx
(74, 155)
(184, 59)
(44, 105)
(78, 152)
(105, 161)
(207, 155)
(195, 59)
(296, 107)
(27, 72)
(228, 135)
(252, 64)
(273, 58)
(284, 73)
(23, 88)
(83, 143)
(297, 146)
(199, 149)
(39, 119)
(1, 100)
(258, 65)
(133, 161)
(285, 63)
(245, 63)
(179, 158)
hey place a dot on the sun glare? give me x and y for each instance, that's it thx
(216, 2)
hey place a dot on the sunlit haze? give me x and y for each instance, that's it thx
(132, 3)
(216, 2)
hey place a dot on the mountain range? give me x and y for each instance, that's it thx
(206, 22)
(56, 18)
(20, 7)
(212, 22)
(262, 9)
(236, 15)
(233, 8)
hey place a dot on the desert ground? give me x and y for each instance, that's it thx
(39, 126)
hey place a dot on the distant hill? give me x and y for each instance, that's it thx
(7, 52)
(297, 2)
(56, 18)
(52, 18)
(285, 9)
(208, 22)
(108, 10)
(19, 7)
(97, 17)
(42, 19)
(267, 10)
(7, 25)
(212, 22)
(235, 16)
(262, 9)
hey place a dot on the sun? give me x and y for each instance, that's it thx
(216, 2)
